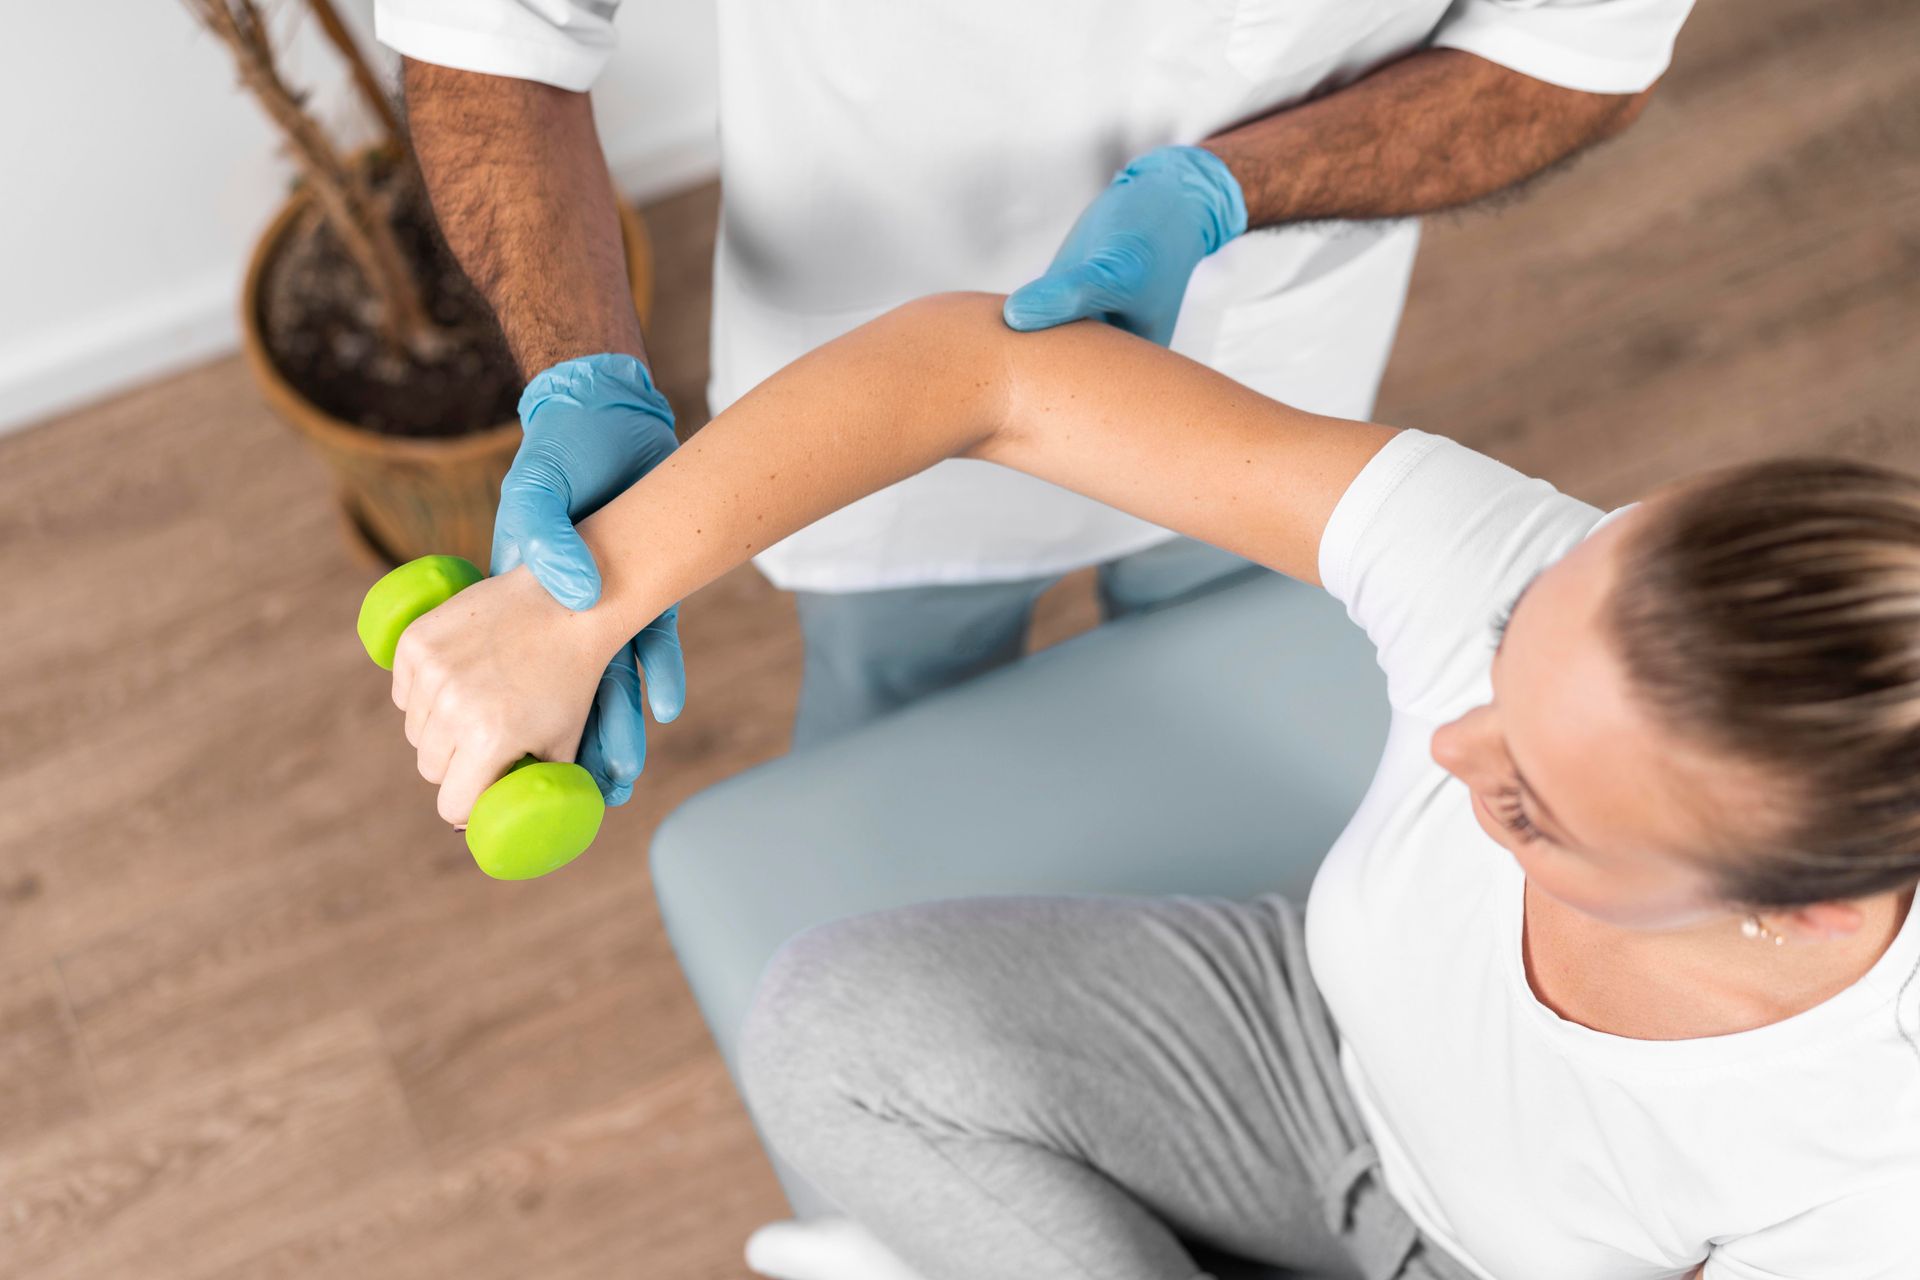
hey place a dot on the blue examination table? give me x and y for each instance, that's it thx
(1214, 747)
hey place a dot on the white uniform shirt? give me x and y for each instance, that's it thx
(877, 150)
(1530, 1146)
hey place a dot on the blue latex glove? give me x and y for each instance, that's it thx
(1128, 258)
(593, 426)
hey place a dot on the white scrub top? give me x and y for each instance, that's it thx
(874, 151)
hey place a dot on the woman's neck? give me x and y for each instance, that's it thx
(1706, 980)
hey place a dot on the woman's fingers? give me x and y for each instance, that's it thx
(419, 714)
(434, 752)
(402, 685)
(497, 678)
(477, 763)
(426, 680)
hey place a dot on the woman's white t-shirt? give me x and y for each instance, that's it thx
(1529, 1146)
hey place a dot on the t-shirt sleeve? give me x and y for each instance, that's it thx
(1596, 46)
(1868, 1235)
(1426, 547)
(564, 43)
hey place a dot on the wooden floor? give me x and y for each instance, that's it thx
(259, 1016)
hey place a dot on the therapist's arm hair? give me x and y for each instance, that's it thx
(1435, 130)
(1085, 406)
(521, 191)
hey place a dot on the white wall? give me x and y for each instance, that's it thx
(135, 173)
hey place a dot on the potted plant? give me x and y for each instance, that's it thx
(362, 330)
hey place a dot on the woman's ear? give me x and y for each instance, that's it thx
(1817, 922)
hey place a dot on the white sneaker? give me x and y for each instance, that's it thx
(822, 1249)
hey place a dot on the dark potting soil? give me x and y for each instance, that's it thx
(318, 319)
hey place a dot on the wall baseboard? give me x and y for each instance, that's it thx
(94, 358)
(197, 320)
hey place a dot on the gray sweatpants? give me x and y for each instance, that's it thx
(1065, 1088)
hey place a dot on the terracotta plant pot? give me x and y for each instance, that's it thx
(403, 497)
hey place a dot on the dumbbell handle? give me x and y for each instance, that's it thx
(541, 815)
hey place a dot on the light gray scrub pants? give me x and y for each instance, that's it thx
(1029, 1088)
(870, 652)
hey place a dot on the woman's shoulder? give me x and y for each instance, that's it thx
(1426, 547)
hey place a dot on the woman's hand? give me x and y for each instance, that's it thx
(498, 672)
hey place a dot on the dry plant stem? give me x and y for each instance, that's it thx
(341, 190)
(363, 78)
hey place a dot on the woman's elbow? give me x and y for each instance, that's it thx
(955, 329)
(962, 347)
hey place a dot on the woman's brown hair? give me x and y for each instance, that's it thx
(1771, 612)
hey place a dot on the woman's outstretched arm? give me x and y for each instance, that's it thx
(1087, 407)
(501, 670)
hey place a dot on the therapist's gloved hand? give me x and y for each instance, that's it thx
(1128, 258)
(593, 426)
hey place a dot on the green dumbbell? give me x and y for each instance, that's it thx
(542, 815)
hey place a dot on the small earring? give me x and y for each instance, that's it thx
(1753, 927)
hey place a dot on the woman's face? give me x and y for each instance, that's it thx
(1603, 810)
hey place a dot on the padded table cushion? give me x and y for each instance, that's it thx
(1216, 747)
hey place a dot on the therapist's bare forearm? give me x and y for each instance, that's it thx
(1435, 130)
(1084, 406)
(520, 188)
